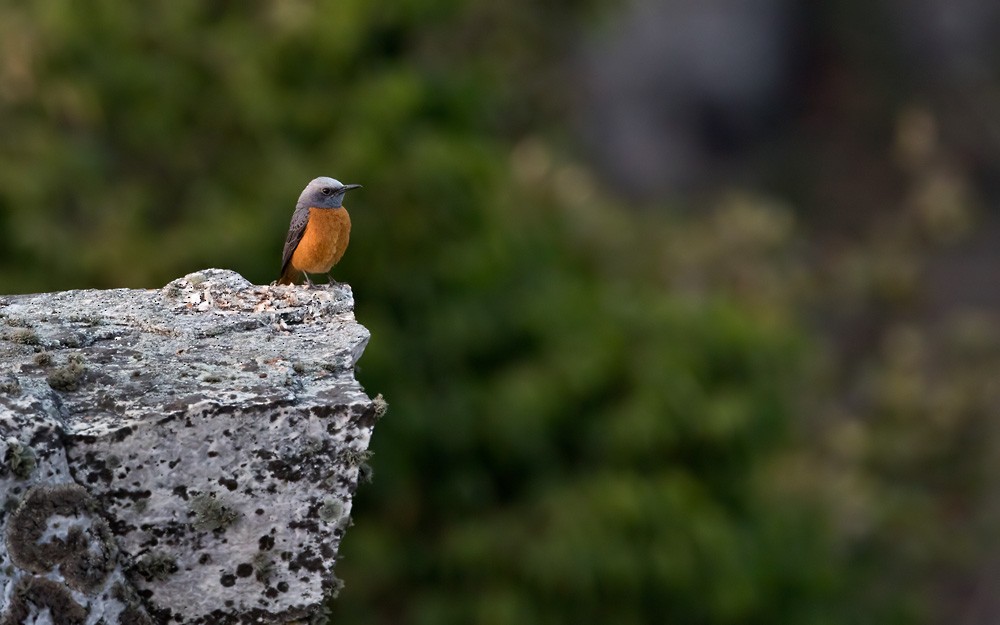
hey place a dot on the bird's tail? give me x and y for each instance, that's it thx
(288, 275)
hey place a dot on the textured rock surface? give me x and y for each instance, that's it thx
(186, 455)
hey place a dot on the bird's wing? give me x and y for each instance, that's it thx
(295, 231)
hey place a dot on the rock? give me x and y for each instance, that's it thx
(186, 455)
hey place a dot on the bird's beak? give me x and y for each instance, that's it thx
(348, 187)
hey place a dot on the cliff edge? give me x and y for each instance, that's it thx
(182, 455)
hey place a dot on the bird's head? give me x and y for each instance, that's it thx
(325, 192)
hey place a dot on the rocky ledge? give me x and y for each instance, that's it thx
(182, 455)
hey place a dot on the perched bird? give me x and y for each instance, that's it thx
(319, 232)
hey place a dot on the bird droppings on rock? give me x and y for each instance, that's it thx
(212, 492)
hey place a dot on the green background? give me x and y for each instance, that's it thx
(710, 409)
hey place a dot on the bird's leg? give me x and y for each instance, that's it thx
(330, 281)
(309, 282)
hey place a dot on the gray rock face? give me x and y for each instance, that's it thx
(186, 455)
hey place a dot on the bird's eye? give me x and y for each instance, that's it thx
(327, 191)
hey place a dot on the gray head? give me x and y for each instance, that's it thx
(325, 192)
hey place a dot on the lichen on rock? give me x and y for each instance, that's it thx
(187, 454)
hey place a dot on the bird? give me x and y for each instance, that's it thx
(319, 231)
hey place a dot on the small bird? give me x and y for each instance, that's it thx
(319, 232)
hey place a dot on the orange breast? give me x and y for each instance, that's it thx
(324, 241)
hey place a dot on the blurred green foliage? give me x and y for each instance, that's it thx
(597, 415)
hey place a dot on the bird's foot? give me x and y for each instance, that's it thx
(330, 281)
